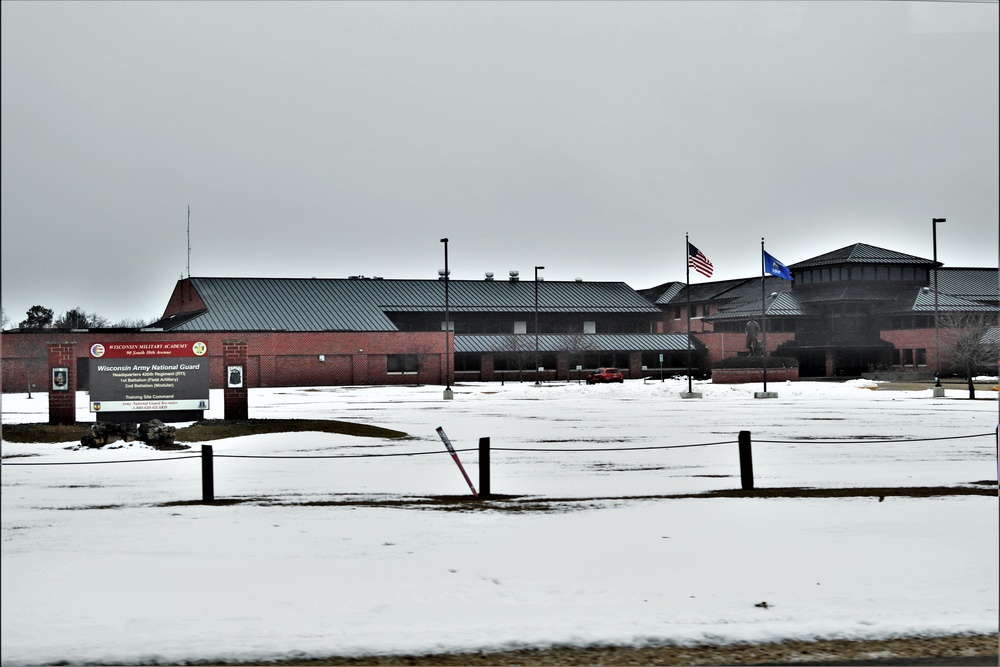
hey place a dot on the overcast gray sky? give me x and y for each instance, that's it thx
(336, 139)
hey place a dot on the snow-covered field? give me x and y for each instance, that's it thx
(100, 564)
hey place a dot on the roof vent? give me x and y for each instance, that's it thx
(514, 276)
(579, 280)
(489, 276)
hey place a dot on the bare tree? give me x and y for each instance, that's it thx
(518, 352)
(78, 318)
(35, 361)
(576, 347)
(422, 355)
(131, 323)
(974, 343)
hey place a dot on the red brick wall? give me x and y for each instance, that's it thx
(184, 300)
(274, 359)
(724, 345)
(915, 339)
(741, 375)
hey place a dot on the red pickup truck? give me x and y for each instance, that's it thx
(605, 375)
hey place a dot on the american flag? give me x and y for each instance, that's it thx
(698, 261)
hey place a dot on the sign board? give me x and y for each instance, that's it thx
(149, 376)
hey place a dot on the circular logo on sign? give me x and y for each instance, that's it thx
(97, 350)
(199, 349)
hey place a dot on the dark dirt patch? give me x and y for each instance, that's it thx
(950, 650)
(879, 493)
(49, 433)
(217, 429)
(205, 430)
(535, 504)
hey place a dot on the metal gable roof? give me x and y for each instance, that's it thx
(861, 253)
(501, 343)
(285, 304)
(923, 301)
(669, 293)
(310, 304)
(975, 284)
(519, 296)
(785, 304)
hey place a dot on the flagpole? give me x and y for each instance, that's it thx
(763, 310)
(687, 274)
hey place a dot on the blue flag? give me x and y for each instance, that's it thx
(775, 268)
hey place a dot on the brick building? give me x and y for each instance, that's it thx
(376, 331)
(855, 310)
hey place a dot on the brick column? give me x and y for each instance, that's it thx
(635, 365)
(831, 363)
(62, 402)
(234, 356)
(359, 369)
(486, 371)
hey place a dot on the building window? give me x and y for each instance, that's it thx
(521, 327)
(677, 313)
(402, 363)
(921, 357)
(468, 362)
(590, 327)
(907, 357)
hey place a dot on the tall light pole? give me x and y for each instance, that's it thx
(937, 334)
(448, 394)
(536, 324)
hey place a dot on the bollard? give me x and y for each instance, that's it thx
(207, 475)
(484, 467)
(746, 461)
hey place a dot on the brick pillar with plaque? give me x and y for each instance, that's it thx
(62, 383)
(234, 355)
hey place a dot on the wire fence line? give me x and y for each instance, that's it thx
(542, 450)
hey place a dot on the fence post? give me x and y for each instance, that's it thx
(484, 467)
(207, 475)
(746, 461)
